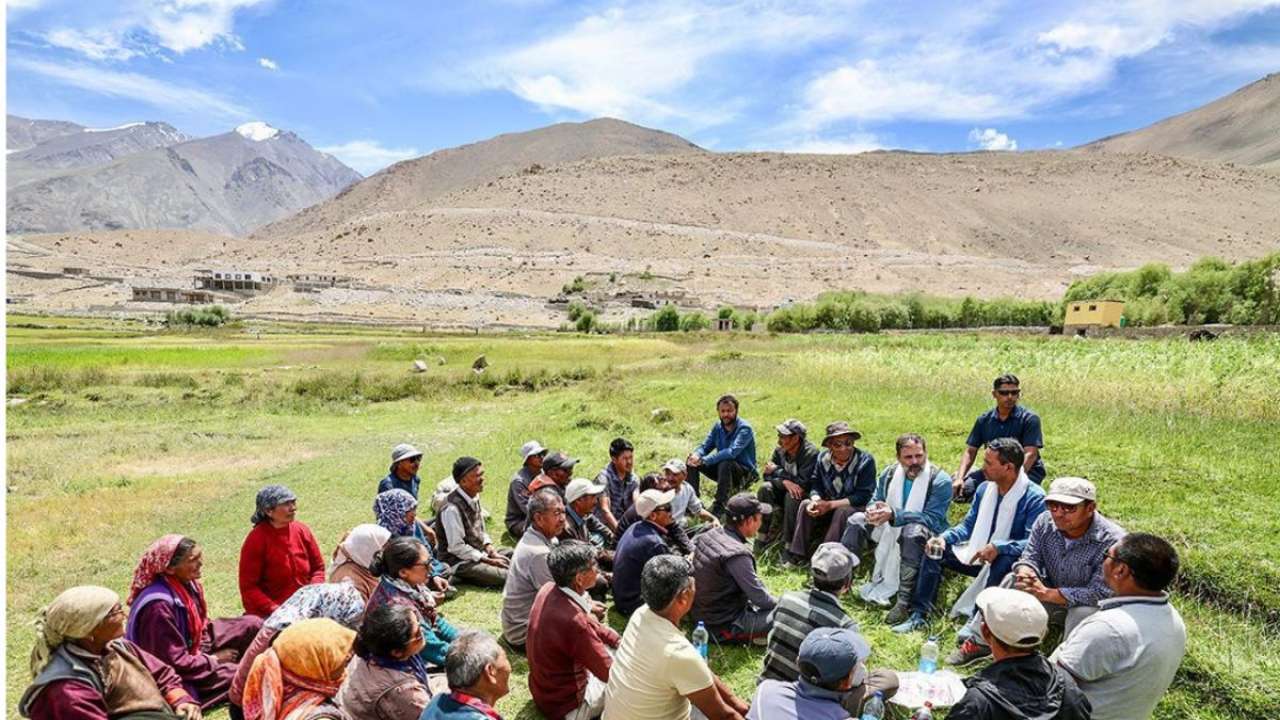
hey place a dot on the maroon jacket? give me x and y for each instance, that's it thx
(565, 642)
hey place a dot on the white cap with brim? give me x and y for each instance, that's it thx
(578, 487)
(1016, 618)
(1071, 491)
(651, 499)
(531, 448)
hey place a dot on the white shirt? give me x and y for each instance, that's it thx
(1125, 655)
(654, 670)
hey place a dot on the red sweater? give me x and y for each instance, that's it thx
(565, 642)
(274, 563)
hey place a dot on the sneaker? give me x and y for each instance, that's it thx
(900, 612)
(969, 652)
(912, 624)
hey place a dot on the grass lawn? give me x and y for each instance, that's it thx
(127, 433)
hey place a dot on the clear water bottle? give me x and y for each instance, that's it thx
(873, 709)
(929, 655)
(700, 639)
(923, 713)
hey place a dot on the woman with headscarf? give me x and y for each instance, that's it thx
(387, 681)
(402, 565)
(340, 602)
(279, 555)
(397, 511)
(169, 618)
(298, 677)
(84, 669)
(354, 556)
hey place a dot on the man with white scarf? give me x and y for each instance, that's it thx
(909, 507)
(989, 540)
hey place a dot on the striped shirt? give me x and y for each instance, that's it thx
(799, 612)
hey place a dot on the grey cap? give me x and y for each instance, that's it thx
(404, 451)
(830, 654)
(790, 427)
(1071, 491)
(533, 447)
(832, 562)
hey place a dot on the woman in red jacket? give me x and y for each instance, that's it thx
(280, 554)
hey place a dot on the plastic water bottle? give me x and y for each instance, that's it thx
(873, 709)
(923, 713)
(929, 655)
(700, 639)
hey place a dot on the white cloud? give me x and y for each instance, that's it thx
(646, 62)
(135, 87)
(367, 156)
(992, 139)
(268, 63)
(140, 28)
(851, 144)
(18, 5)
(868, 91)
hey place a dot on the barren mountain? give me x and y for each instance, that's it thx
(413, 181)
(87, 148)
(23, 133)
(230, 183)
(1243, 128)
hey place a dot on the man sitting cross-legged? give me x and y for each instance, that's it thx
(988, 541)
(731, 599)
(785, 476)
(465, 546)
(843, 479)
(909, 506)
(1062, 565)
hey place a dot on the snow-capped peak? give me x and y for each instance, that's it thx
(257, 131)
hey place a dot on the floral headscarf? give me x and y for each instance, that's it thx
(390, 508)
(304, 668)
(268, 498)
(340, 602)
(153, 564)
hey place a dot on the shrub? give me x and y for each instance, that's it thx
(207, 316)
(667, 319)
(694, 321)
(586, 322)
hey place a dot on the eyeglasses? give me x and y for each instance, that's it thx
(1111, 555)
(1009, 393)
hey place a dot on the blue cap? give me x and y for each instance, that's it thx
(828, 655)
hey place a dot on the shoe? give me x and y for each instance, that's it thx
(969, 652)
(790, 560)
(760, 641)
(912, 624)
(899, 613)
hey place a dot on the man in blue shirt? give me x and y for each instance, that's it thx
(1002, 466)
(1006, 419)
(727, 456)
(403, 473)
(833, 680)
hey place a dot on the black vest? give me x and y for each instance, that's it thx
(717, 599)
(472, 527)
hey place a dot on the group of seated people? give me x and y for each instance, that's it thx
(367, 636)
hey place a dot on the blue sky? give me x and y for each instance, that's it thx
(376, 82)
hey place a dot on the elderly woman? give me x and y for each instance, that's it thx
(354, 556)
(339, 602)
(388, 681)
(84, 669)
(169, 618)
(402, 565)
(397, 511)
(298, 677)
(279, 555)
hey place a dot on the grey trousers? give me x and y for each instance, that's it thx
(781, 523)
(482, 574)
(882, 681)
(825, 528)
(911, 541)
(751, 623)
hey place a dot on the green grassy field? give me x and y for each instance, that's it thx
(127, 433)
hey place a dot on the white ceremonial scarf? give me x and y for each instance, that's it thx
(885, 577)
(983, 535)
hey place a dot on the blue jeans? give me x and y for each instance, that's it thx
(931, 576)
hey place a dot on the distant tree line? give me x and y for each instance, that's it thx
(1210, 291)
(858, 311)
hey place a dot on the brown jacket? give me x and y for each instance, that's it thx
(352, 572)
(371, 692)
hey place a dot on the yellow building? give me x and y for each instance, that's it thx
(1093, 313)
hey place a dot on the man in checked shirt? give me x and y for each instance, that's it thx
(1061, 565)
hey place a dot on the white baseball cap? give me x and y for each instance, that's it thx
(533, 447)
(578, 487)
(676, 465)
(650, 499)
(1013, 616)
(1071, 491)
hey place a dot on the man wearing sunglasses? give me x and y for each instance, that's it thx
(1061, 565)
(1006, 419)
(403, 473)
(644, 540)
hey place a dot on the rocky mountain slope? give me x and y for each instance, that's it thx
(1243, 128)
(87, 147)
(24, 133)
(230, 183)
(421, 179)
